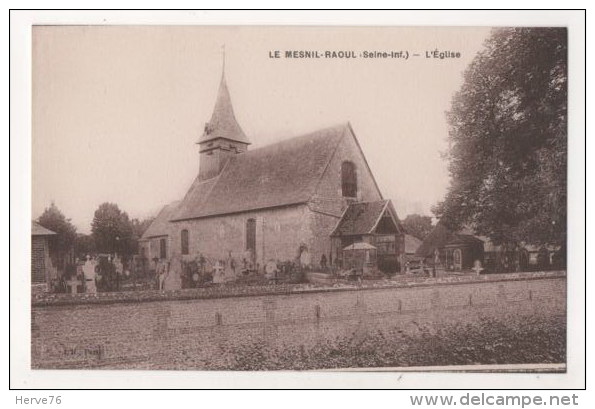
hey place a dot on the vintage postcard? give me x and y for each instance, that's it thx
(299, 198)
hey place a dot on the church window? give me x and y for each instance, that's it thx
(184, 238)
(348, 179)
(162, 249)
(251, 235)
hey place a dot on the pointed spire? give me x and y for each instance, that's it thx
(223, 123)
(223, 56)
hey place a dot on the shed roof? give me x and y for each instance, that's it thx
(38, 230)
(281, 174)
(437, 238)
(463, 239)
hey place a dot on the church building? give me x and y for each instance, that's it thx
(303, 199)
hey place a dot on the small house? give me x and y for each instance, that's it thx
(42, 269)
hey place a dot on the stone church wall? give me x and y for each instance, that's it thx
(329, 198)
(279, 233)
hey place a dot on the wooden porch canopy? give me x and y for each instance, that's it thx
(365, 218)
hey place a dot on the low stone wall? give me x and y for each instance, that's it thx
(186, 329)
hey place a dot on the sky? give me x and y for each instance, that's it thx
(117, 110)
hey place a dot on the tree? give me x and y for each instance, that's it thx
(85, 245)
(61, 244)
(508, 140)
(140, 226)
(417, 225)
(112, 230)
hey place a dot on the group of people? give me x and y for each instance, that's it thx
(105, 273)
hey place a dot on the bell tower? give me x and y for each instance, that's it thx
(222, 137)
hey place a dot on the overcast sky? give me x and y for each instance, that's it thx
(117, 110)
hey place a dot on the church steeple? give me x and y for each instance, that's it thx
(223, 123)
(222, 136)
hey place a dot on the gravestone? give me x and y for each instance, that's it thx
(218, 273)
(173, 279)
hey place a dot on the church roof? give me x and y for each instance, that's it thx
(159, 227)
(362, 218)
(280, 174)
(223, 123)
(38, 230)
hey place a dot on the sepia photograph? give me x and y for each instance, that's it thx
(355, 199)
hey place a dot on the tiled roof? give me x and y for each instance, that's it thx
(223, 123)
(281, 174)
(38, 230)
(159, 227)
(360, 218)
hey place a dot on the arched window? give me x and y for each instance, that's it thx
(184, 239)
(348, 179)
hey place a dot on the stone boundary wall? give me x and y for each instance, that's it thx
(190, 328)
(39, 299)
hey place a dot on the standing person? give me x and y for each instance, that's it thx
(162, 271)
(89, 275)
(119, 267)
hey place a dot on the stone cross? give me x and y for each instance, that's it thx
(477, 267)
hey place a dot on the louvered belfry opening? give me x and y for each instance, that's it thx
(348, 179)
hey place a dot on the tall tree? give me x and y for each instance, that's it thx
(52, 218)
(140, 226)
(112, 230)
(417, 225)
(508, 139)
(85, 245)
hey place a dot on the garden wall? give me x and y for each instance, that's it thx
(187, 330)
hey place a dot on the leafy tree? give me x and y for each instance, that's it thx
(508, 139)
(418, 225)
(140, 226)
(85, 244)
(52, 218)
(112, 230)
